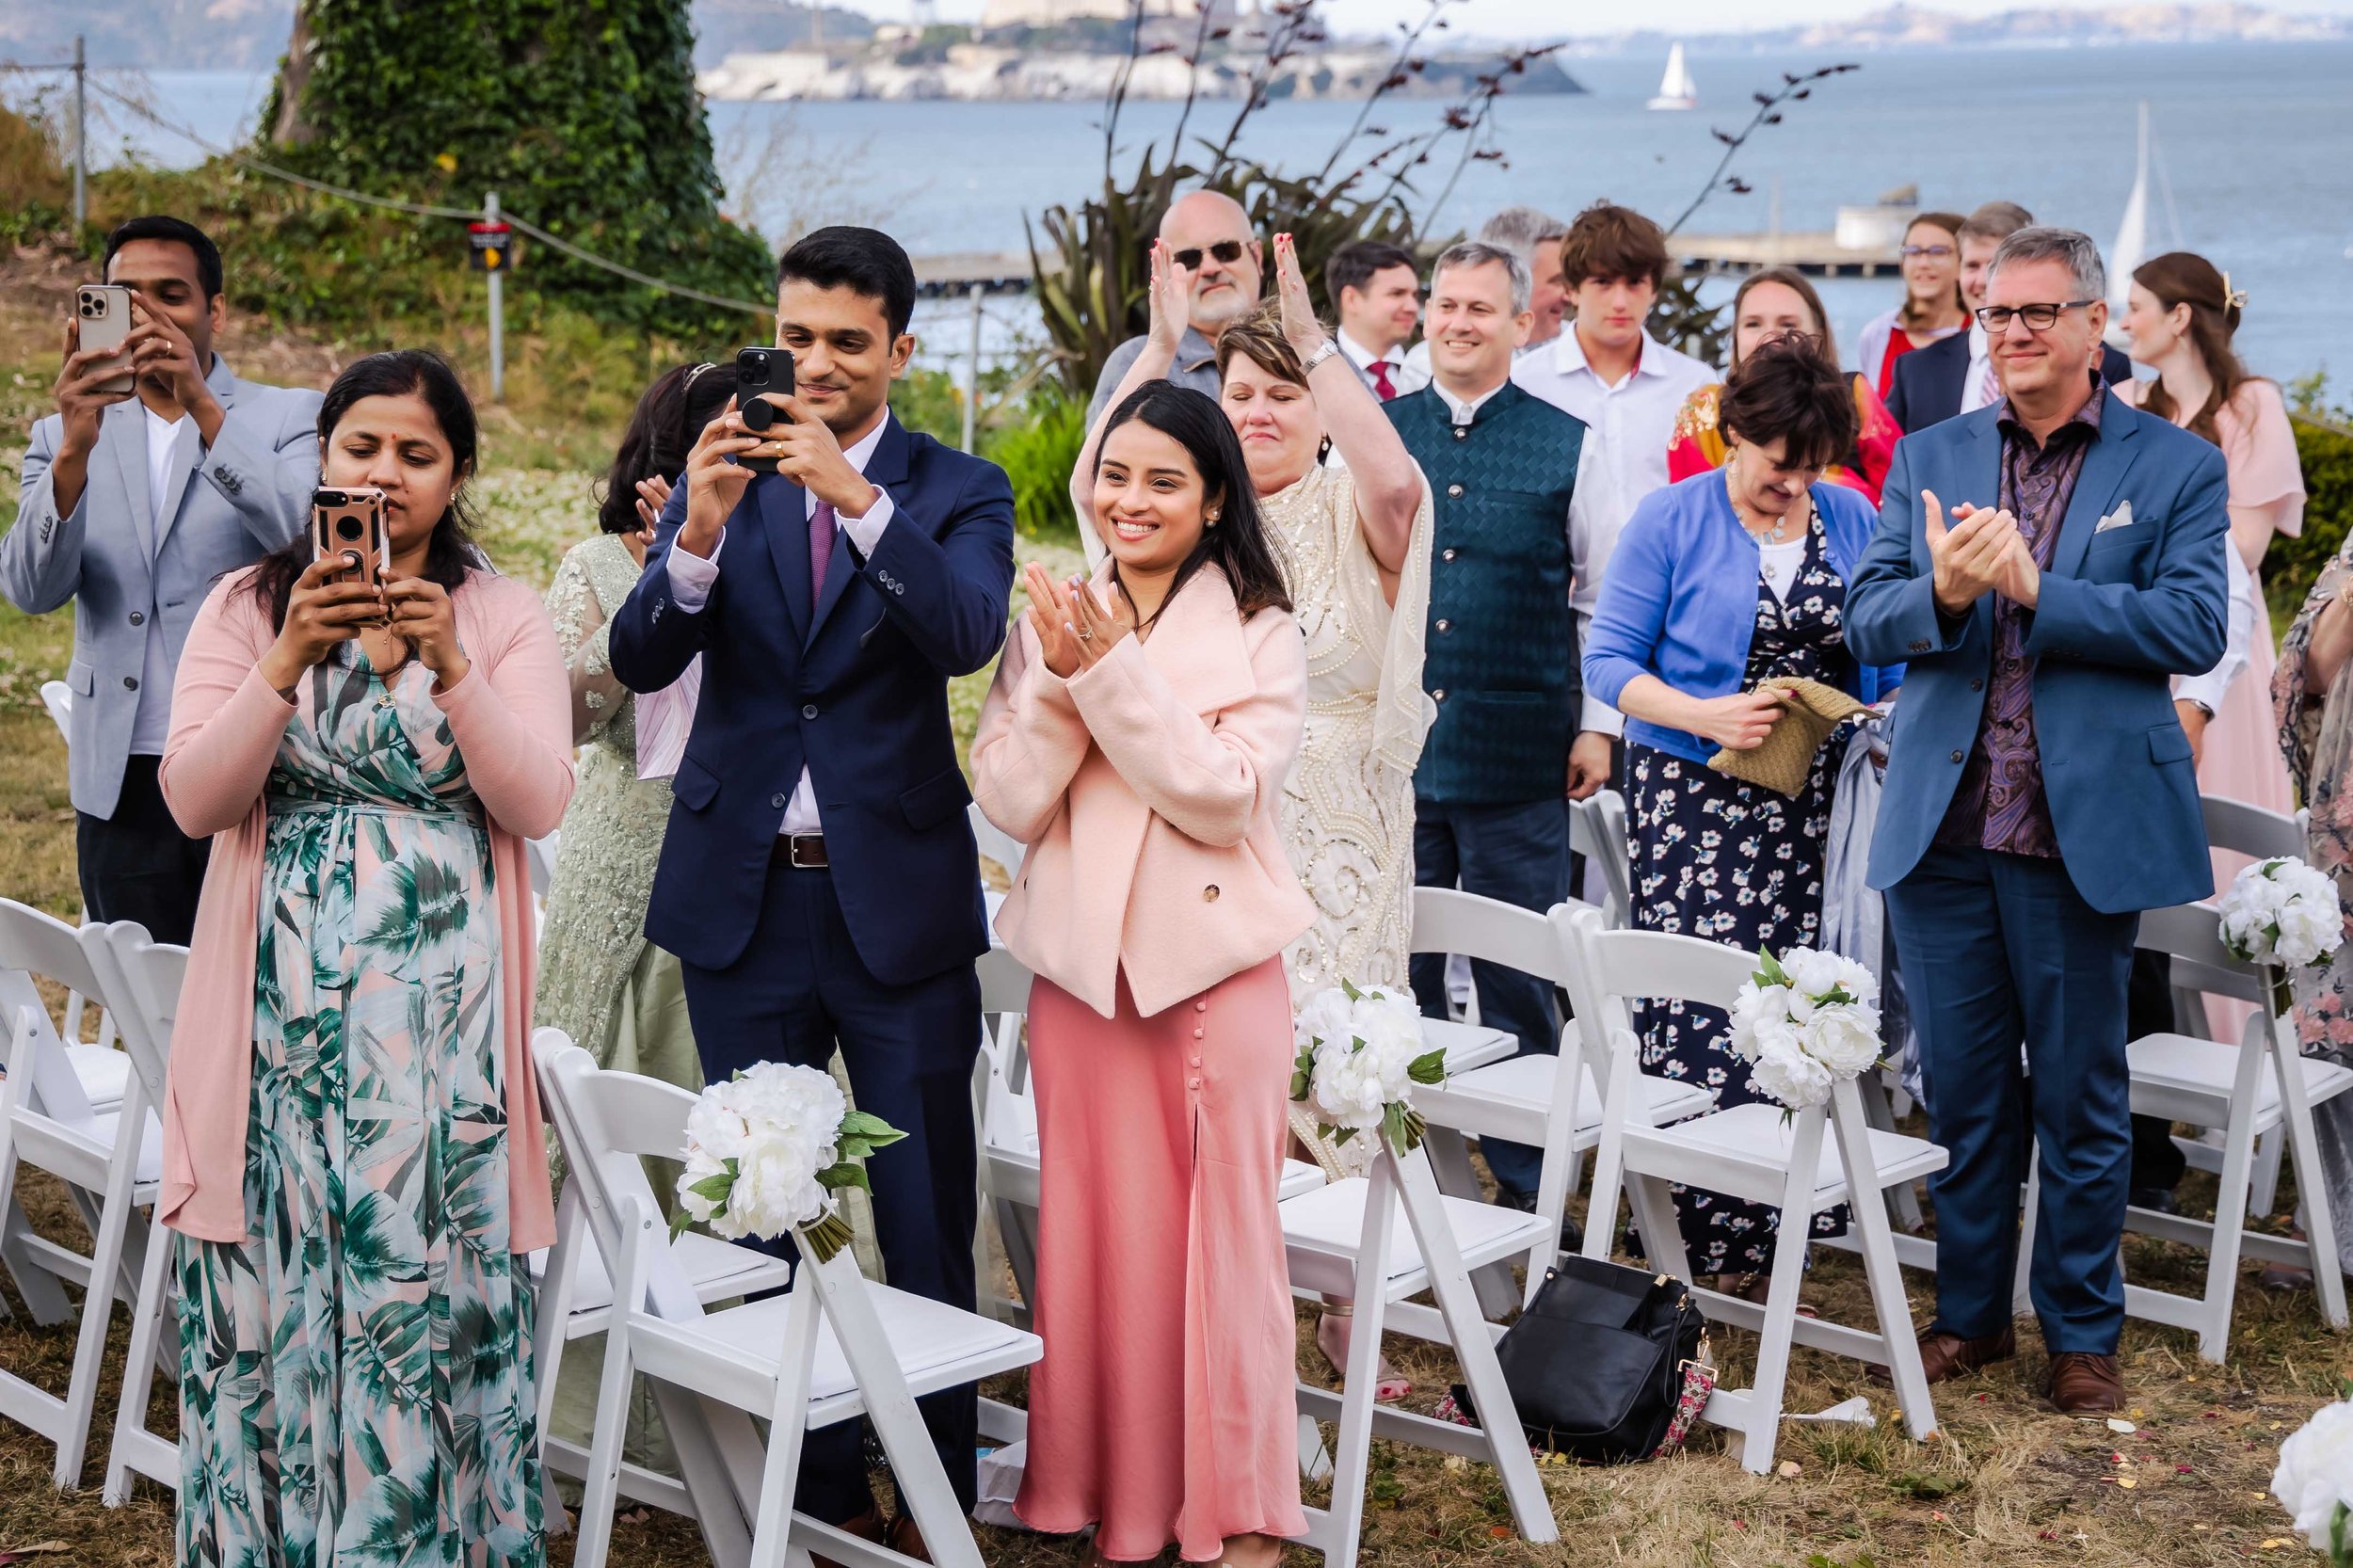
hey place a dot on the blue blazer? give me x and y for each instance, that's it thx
(856, 689)
(1679, 601)
(2119, 613)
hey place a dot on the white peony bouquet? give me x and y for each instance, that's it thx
(1806, 1021)
(767, 1151)
(2314, 1480)
(2282, 911)
(1360, 1054)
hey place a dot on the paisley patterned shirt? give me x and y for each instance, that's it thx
(1999, 802)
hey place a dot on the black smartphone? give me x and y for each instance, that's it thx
(762, 374)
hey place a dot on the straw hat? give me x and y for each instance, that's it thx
(1810, 711)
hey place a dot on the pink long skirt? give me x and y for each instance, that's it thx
(1164, 1407)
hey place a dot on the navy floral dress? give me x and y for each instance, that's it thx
(1742, 865)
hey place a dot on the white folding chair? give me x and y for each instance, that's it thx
(1598, 831)
(1000, 846)
(1751, 1152)
(1551, 1102)
(2265, 1087)
(111, 1159)
(835, 1347)
(143, 979)
(1346, 1240)
(57, 697)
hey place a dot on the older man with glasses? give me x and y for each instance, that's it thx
(2039, 792)
(1209, 241)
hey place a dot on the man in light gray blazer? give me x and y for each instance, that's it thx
(132, 504)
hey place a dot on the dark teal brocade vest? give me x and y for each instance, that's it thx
(1502, 662)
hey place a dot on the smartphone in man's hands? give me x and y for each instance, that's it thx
(761, 375)
(103, 314)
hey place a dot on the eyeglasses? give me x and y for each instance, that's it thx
(1996, 319)
(1939, 251)
(1228, 251)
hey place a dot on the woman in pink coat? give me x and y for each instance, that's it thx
(1137, 739)
(352, 1145)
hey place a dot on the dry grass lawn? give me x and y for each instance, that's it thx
(2005, 1481)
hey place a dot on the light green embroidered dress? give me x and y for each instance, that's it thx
(356, 1383)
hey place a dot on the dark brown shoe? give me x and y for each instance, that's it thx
(906, 1540)
(1946, 1356)
(2083, 1384)
(865, 1527)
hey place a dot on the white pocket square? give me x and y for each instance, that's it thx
(2120, 518)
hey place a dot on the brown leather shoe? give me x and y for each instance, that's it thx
(865, 1527)
(908, 1540)
(1944, 1356)
(2084, 1384)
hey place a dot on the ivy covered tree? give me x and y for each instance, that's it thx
(582, 114)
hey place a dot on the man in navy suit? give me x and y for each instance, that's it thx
(2041, 793)
(1957, 375)
(819, 882)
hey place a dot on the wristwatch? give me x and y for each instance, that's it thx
(1329, 347)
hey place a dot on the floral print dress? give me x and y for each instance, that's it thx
(1739, 864)
(355, 1380)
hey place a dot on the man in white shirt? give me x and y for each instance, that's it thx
(1626, 387)
(818, 881)
(1376, 297)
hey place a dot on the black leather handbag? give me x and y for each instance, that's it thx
(1608, 1363)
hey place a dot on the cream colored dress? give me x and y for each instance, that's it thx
(1348, 806)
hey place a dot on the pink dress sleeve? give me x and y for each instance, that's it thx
(2260, 445)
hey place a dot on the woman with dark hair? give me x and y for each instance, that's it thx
(1932, 307)
(1780, 302)
(1731, 578)
(2180, 318)
(1137, 739)
(353, 1151)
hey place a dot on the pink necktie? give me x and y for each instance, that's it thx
(1381, 382)
(820, 548)
(1990, 388)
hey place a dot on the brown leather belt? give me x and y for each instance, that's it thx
(803, 851)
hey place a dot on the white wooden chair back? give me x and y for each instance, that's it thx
(2250, 830)
(1448, 920)
(2191, 936)
(144, 978)
(540, 856)
(57, 697)
(610, 1123)
(1598, 831)
(36, 945)
(995, 842)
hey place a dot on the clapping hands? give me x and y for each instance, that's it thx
(1075, 630)
(1301, 326)
(1171, 297)
(1983, 551)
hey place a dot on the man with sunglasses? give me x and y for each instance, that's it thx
(2039, 791)
(1208, 237)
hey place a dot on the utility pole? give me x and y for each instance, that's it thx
(81, 137)
(498, 308)
(972, 370)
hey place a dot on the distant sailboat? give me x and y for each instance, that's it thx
(1676, 90)
(2132, 235)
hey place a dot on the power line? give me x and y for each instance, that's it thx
(420, 209)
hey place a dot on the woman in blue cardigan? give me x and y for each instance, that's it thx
(1728, 579)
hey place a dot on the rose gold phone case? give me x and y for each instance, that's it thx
(104, 311)
(349, 522)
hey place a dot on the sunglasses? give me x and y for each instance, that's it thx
(1996, 319)
(1228, 251)
(1940, 252)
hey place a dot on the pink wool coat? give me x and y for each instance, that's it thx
(511, 718)
(1147, 790)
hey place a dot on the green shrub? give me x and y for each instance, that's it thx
(2324, 447)
(1037, 450)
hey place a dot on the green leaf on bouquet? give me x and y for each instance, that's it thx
(1341, 1135)
(1298, 1086)
(1393, 1126)
(836, 1177)
(863, 1132)
(1350, 991)
(679, 1219)
(1429, 1067)
(1769, 969)
(714, 1189)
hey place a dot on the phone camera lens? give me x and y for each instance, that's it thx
(348, 528)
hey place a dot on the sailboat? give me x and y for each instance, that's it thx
(2132, 235)
(1676, 90)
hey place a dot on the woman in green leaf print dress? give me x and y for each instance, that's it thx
(352, 1148)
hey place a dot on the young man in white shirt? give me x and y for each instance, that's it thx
(1626, 387)
(1376, 294)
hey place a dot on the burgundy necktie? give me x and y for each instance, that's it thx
(820, 548)
(1381, 382)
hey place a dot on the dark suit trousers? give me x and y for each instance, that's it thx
(1520, 855)
(799, 989)
(136, 865)
(1997, 949)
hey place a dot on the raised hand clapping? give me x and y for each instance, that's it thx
(1300, 324)
(1171, 297)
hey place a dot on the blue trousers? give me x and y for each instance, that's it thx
(1997, 949)
(799, 990)
(1518, 855)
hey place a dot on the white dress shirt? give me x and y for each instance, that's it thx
(1972, 384)
(2208, 690)
(150, 724)
(1403, 377)
(690, 577)
(1578, 526)
(1631, 423)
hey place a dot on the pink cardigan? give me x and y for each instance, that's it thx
(511, 718)
(1147, 790)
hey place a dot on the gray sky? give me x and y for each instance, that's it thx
(1512, 18)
